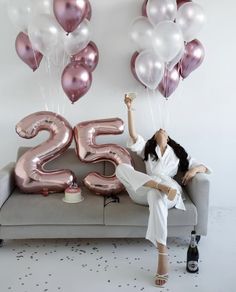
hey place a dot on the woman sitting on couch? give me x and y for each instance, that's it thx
(157, 188)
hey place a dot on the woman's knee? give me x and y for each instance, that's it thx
(121, 168)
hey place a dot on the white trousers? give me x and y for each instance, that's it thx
(156, 200)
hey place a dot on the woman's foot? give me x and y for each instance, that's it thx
(171, 193)
(161, 276)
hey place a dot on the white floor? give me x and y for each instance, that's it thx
(120, 264)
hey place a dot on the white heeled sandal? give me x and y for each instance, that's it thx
(161, 277)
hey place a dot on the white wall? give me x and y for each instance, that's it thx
(200, 115)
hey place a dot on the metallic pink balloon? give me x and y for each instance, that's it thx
(144, 7)
(30, 175)
(76, 80)
(25, 51)
(132, 66)
(88, 151)
(88, 11)
(169, 82)
(193, 57)
(69, 13)
(181, 2)
(88, 57)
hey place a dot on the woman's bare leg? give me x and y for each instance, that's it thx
(162, 267)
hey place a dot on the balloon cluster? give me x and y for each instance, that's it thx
(50, 26)
(165, 42)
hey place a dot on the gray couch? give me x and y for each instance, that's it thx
(36, 216)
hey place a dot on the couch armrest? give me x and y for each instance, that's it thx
(198, 191)
(7, 183)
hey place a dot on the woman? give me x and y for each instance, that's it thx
(163, 157)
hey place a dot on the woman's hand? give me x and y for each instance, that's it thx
(128, 101)
(189, 175)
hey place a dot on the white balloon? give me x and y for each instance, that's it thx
(77, 40)
(42, 7)
(19, 12)
(149, 69)
(160, 10)
(168, 40)
(142, 33)
(190, 18)
(44, 33)
(170, 65)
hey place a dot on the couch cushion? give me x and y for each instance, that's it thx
(127, 212)
(31, 209)
(137, 163)
(69, 160)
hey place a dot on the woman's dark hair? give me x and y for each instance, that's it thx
(178, 149)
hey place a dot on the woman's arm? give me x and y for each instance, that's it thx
(192, 172)
(132, 131)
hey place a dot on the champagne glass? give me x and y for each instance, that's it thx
(132, 96)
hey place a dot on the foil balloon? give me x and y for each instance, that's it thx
(193, 57)
(30, 175)
(88, 151)
(70, 13)
(26, 53)
(132, 66)
(170, 82)
(181, 2)
(144, 8)
(76, 80)
(89, 56)
(88, 11)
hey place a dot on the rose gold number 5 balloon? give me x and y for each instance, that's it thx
(29, 172)
(89, 151)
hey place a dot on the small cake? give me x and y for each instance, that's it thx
(73, 194)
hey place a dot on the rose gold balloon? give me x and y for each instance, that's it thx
(30, 175)
(132, 67)
(25, 51)
(88, 56)
(88, 11)
(69, 13)
(88, 151)
(169, 82)
(76, 80)
(181, 2)
(144, 6)
(193, 57)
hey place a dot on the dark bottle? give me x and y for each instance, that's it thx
(192, 255)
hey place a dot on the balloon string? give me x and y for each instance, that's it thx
(48, 68)
(41, 88)
(165, 82)
(167, 115)
(151, 109)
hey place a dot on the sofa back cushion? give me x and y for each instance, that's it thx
(137, 161)
(69, 160)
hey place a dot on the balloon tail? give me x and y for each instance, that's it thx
(151, 110)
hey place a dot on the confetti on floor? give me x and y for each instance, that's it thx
(65, 265)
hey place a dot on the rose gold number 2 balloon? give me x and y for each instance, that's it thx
(29, 171)
(89, 151)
